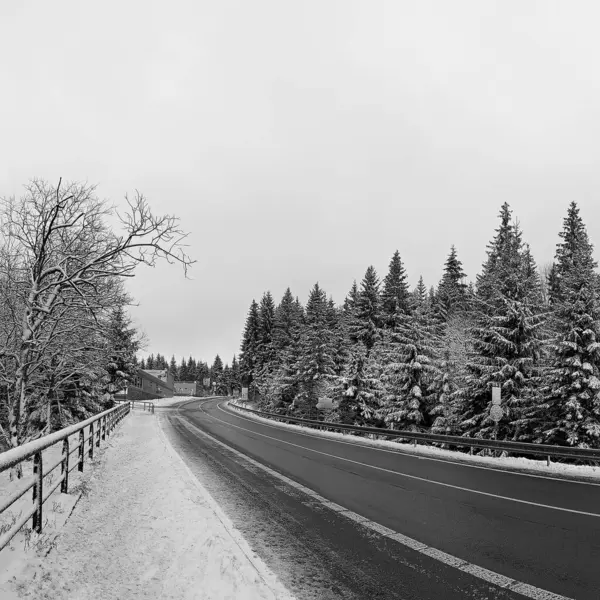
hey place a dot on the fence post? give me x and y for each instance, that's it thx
(103, 427)
(64, 468)
(415, 443)
(91, 450)
(38, 497)
(81, 450)
(99, 432)
(548, 461)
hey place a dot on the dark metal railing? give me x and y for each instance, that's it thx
(146, 404)
(527, 448)
(99, 427)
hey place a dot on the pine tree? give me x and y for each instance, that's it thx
(183, 370)
(409, 357)
(191, 369)
(358, 388)
(570, 413)
(173, 368)
(216, 375)
(367, 322)
(395, 296)
(226, 381)
(236, 383)
(420, 298)
(351, 299)
(123, 343)
(498, 249)
(150, 362)
(249, 348)
(281, 386)
(507, 339)
(315, 365)
(452, 291)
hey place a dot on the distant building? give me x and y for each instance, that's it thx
(151, 385)
(186, 388)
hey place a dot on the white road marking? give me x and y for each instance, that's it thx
(497, 579)
(414, 477)
(400, 450)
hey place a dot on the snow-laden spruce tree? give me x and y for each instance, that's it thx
(570, 413)
(450, 308)
(249, 349)
(350, 299)
(366, 325)
(287, 325)
(420, 299)
(266, 358)
(409, 357)
(122, 343)
(452, 291)
(363, 329)
(507, 338)
(315, 365)
(395, 296)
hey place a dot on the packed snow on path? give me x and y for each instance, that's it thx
(578, 472)
(147, 529)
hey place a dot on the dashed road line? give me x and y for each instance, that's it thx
(415, 477)
(462, 463)
(529, 591)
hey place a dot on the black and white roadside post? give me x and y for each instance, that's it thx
(496, 412)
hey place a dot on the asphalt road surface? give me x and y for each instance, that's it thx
(536, 530)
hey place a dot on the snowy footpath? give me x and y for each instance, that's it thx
(145, 529)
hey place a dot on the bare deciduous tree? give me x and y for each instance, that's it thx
(60, 264)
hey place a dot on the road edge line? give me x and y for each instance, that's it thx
(502, 581)
(269, 578)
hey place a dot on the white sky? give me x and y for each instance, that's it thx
(301, 141)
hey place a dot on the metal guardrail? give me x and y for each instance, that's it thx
(546, 450)
(106, 421)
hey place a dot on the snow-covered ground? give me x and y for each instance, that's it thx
(146, 529)
(27, 544)
(579, 472)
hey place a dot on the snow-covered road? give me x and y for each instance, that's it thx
(147, 529)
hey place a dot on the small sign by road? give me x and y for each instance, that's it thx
(496, 412)
(325, 403)
(496, 395)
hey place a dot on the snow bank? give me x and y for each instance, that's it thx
(147, 529)
(578, 472)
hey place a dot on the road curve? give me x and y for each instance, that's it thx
(536, 530)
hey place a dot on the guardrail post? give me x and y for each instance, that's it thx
(91, 450)
(547, 461)
(81, 450)
(38, 497)
(414, 443)
(64, 467)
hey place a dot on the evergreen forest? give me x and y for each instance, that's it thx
(426, 359)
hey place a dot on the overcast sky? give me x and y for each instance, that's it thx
(302, 141)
